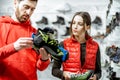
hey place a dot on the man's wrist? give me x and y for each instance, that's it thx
(44, 59)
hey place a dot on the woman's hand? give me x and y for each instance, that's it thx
(66, 75)
(94, 77)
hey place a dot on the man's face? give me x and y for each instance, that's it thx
(24, 10)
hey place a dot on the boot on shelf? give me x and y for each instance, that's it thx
(60, 20)
(97, 20)
(67, 32)
(44, 20)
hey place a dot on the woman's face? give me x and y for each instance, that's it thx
(78, 26)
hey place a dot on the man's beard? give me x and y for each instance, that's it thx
(21, 18)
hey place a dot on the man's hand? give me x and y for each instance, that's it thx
(44, 54)
(22, 43)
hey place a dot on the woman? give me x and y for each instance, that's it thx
(84, 53)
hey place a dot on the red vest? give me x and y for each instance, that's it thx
(73, 64)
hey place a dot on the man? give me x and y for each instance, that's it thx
(18, 61)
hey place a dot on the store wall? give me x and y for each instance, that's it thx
(49, 9)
